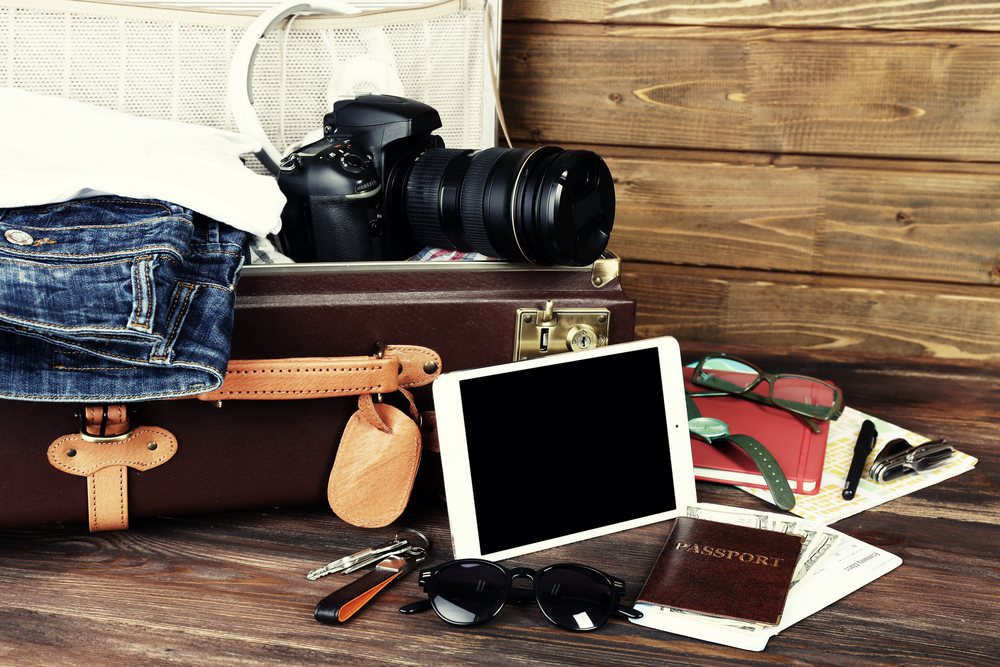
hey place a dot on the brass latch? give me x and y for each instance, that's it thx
(541, 333)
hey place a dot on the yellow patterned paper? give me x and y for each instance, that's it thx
(828, 505)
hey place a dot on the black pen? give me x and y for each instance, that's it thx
(863, 447)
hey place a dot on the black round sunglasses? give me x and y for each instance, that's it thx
(473, 591)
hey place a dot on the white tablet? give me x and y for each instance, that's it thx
(544, 452)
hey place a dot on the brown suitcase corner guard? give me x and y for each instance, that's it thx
(108, 442)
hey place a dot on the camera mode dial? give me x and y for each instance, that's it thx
(332, 169)
(348, 161)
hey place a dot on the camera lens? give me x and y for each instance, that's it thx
(542, 205)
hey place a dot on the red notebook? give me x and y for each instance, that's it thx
(798, 450)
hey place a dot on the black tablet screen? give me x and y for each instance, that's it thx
(561, 449)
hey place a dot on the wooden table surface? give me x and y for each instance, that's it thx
(229, 589)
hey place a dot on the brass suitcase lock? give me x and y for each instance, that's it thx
(551, 330)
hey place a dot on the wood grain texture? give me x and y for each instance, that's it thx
(828, 220)
(901, 15)
(783, 166)
(914, 101)
(227, 589)
(814, 312)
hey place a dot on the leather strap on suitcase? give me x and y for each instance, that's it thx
(316, 377)
(376, 461)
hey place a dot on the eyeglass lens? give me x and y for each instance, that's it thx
(727, 374)
(798, 393)
(574, 598)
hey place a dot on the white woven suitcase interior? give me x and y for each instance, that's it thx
(173, 63)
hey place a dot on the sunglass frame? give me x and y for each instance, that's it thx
(616, 588)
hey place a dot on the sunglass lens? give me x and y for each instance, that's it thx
(726, 374)
(575, 597)
(467, 593)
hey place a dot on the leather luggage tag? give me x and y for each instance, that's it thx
(376, 464)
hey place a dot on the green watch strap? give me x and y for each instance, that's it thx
(776, 481)
(773, 476)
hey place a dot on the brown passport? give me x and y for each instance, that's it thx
(724, 570)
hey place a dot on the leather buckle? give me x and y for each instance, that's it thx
(112, 422)
(105, 438)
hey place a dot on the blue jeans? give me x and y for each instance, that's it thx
(111, 299)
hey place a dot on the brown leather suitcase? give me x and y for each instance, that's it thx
(243, 454)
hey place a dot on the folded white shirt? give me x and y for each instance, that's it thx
(54, 149)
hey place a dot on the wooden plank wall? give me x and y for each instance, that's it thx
(800, 173)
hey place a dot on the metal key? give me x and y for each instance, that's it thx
(403, 549)
(364, 556)
(407, 547)
(398, 545)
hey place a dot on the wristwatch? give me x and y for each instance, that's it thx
(713, 430)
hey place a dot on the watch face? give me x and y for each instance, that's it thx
(707, 427)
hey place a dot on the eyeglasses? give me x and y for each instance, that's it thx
(808, 398)
(473, 591)
(899, 458)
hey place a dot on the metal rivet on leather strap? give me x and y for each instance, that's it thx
(430, 368)
(151, 446)
(70, 452)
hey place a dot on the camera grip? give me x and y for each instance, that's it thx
(340, 229)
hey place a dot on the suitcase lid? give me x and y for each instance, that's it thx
(443, 54)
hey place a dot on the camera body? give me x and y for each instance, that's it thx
(380, 186)
(336, 187)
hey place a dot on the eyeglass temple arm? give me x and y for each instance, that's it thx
(811, 423)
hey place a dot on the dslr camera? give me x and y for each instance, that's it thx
(381, 186)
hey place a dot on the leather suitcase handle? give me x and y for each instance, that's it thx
(399, 366)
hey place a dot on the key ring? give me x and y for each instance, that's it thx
(426, 540)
